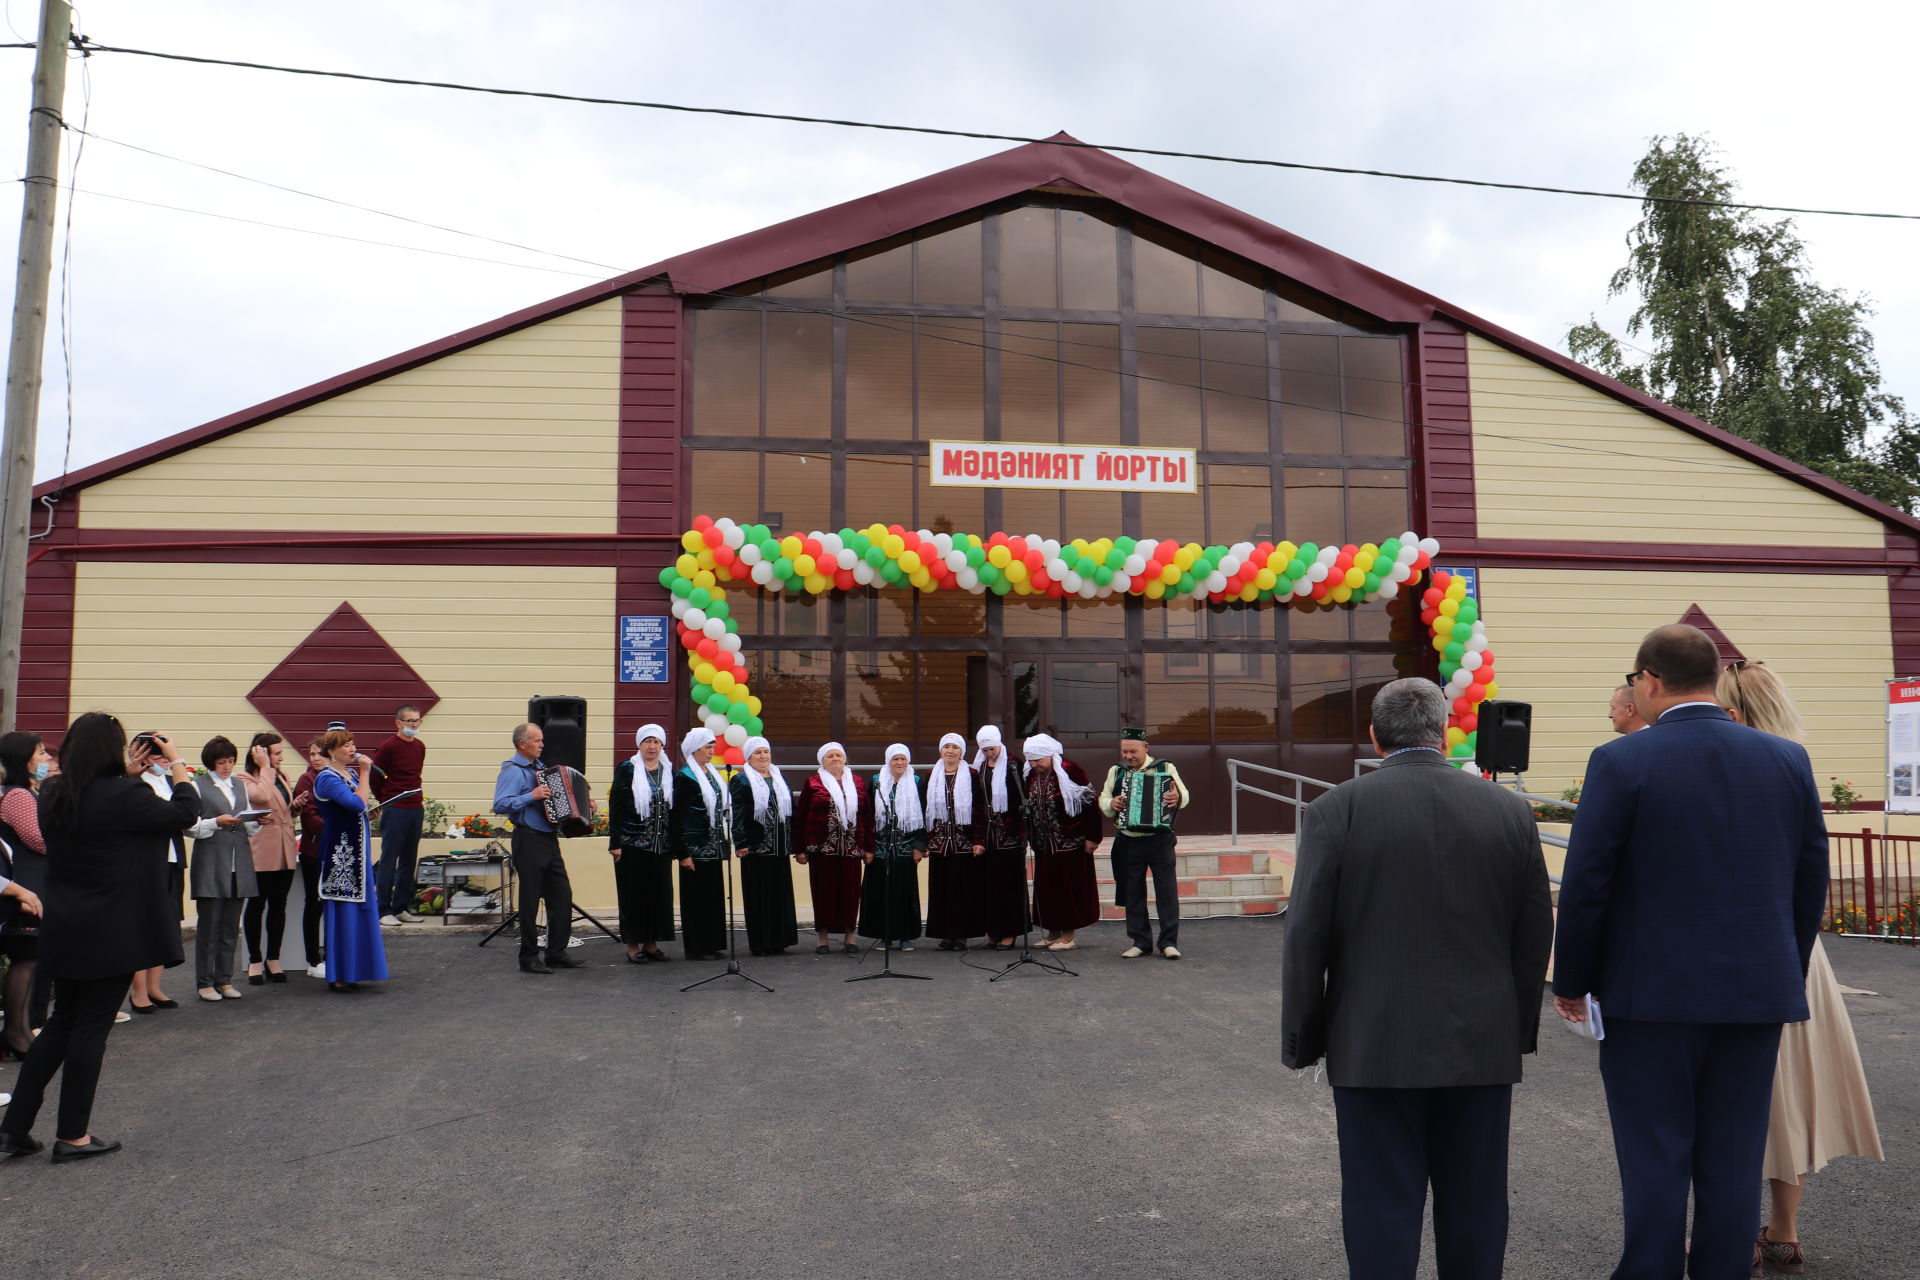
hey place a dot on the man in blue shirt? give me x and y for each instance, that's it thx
(519, 794)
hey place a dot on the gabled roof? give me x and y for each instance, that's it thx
(1060, 159)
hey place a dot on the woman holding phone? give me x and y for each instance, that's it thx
(276, 854)
(355, 953)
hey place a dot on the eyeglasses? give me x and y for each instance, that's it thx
(1633, 677)
(1740, 664)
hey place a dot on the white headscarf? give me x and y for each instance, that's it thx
(962, 787)
(846, 798)
(905, 803)
(989, 736)
(782, 797)
(1072, 794)
(642, 790)
(717, 799)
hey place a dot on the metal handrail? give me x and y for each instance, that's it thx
(1298, 799)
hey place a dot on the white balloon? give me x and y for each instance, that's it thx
(944, 541)
(761, 573)
(1216, 581)
(966, 576)
(734, 535)
(736, 735)
(718, 724)
(730, 642)
(1409, 552)
(863, 573)
(1303, 586)
(1409, 539)
(1136, 565)
(1230, 565)
(1242, 549)
(1316, 572)
(680, 608)
(715, 628)
(695, 618)
(1052, 547)
(750, 554)
(1471, 660)
(956, 560)
(845, 558)
(1430, 545)
(1399, 573)
(1057, 568)
(1123, 581)
(1327, 555)
(831, 544)
(1069, 581)
(1475, 643)
(1388, 589)
(1089, 589)
(1480, 629)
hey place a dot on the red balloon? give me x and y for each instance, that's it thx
(1055, 590)
(1469, 723)
(703, 523)
(1349, 551)
(1321, 588)
(843, 579)
(723, 556)
(713, 536)
(1432, 597)
(1460, 707)
(734, 756)
(896, 531)
(996, 539)
(708, 646)
(1421, 561)
(810, 546)
(1440, 577)
(688, 636)
(1483, 676)
(1427, 616)
(1018, 546)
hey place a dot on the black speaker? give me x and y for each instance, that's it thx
(1506, 732)
(563, 721)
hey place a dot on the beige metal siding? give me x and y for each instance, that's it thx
(1565, 639)
(521, 432)
(1631, 478)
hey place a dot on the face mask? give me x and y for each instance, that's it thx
(409, 731)
(40, 772)
(158, 770)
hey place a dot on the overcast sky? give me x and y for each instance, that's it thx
(178, 318)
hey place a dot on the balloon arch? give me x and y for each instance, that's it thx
(719, 553)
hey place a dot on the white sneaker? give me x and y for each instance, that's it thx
(1132, 953)
(316, 971)
(1171, 953)
(407, 917)
(391, 920)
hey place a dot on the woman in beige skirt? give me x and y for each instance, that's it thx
(1821, 1108)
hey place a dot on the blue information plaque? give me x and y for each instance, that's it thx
(643, 648)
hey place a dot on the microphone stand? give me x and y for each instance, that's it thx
(885, 943)
(1052, 964)
(733, 946)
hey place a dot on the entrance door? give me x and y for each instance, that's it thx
(1075, 698)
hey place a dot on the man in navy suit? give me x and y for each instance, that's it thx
(1693, 889)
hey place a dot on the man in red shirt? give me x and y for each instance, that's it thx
(397, 765)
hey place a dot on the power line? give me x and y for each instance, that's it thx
(979, 135)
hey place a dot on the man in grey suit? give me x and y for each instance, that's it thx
(1414, 960)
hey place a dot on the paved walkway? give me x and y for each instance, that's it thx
(467, 1121)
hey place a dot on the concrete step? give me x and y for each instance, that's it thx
(1256, 886)
(1226, 863)
(1204, 908)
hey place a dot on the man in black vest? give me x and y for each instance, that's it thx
(1144, 842)
(1414, 961)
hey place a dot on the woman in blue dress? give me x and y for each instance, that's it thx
(352, 918)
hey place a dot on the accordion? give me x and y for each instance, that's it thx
(569, 805)
(1144, 794)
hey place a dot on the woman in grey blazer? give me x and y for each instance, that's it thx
(222, 870)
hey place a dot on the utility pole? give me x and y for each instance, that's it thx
(40, 199)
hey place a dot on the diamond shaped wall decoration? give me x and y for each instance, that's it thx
(1697, 617)
(345, 671)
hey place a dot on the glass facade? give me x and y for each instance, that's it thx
(813, 397)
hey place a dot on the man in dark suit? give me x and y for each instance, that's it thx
(1694, 883)
(1415, 955)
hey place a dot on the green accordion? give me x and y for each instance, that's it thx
(1144, 792)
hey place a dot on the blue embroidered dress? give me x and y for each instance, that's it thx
(352, 918)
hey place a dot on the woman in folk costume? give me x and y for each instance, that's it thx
(640, 838)
(351, 916)
(833, 836)
(956, 841)
(896, 811)
(701, 813)
(1063, 825)
(1003, 867)
(763, 837)
(1821, 1107)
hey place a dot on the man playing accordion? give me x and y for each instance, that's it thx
(1143, 796)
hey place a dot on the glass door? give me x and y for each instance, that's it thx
(1075, 698)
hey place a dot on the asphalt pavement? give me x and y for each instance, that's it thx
(465, 1120)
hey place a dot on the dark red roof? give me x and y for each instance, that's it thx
(970, 186)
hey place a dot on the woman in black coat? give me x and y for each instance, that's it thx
(107, 917)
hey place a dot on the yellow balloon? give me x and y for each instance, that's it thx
(1286, 551)
(687, 566)
(1457, 589)
(1017, 572)
(894, 545)
(876, 532)
(1449, 607)
(1455, 735)
(753, 705)
(1340, 594)
(909, 561)
(1356, 578)
(1276, 561)
(1155, 590)
(703, 578)
(722, 680)
(1265, 579)
(790, 546)
(705, 558)
(1493, 688)
(816, 583)
(803, 565)
(1368, 550)
(1250, 592)
(919, 577)
(692, 541)
(1443, 626)
(1439, 644)
(704, 672)
(999, 557)
(1364, 563)
(738, 693)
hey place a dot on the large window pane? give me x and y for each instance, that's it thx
(1309, 393)
(796, 613)
(1089, 515)
(1176, 698)
(1322, 697)
(1027, 260)
(1309, 619)
(1037, 616)
(1230, 287)
(795, 690)
(879, 490)
(1169, 382)
(1241, 620)
(952, 613)
(1166, 278)
(946, 508)
(1235, 374)
(1090, 376)
(1315, 505)
(1182, 619)
(952, 357)
(1172, 515)
(1096, 619)
(814, 280)
(951, 697)
(1376, 504)
(1239, 504)
(873, 613)
(880, 698)
(799, 492)
(879, 378)
(1089, 264)
(947, 265)
(1246, 699)
(881, 272)
(799, 375)
(1029, 382)
(726, 483)
(1086, 700)
(726, 373)
(1031, 511)
(1375, 396)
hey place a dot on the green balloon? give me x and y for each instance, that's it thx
(1468, 615)
(846, 537)
(1001, 587)
(1185, 585)
(783, 568)
(1453, 651)
(700, 597)
(976, 557)
(860, 544)
(1462, 752)
(1124, 545)
(682, 587)
(989, 574)
(737, 713)
(1083, 566)
(1116, 559)
(701, 692)
(668, 576)
(1102, 574)
(1372, 584)
(875, 556)
(755, 726)
(891, 572)
(733, 628)
(1308, 552)
(718, 608)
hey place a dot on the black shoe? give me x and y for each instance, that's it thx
(166, 1004)
(638, 957)
(656, 957)
(256, 979)
(276, 977)
(141, 1008)
(21, 1145)
(534, 964)
(564, 961)
(65, 1151)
